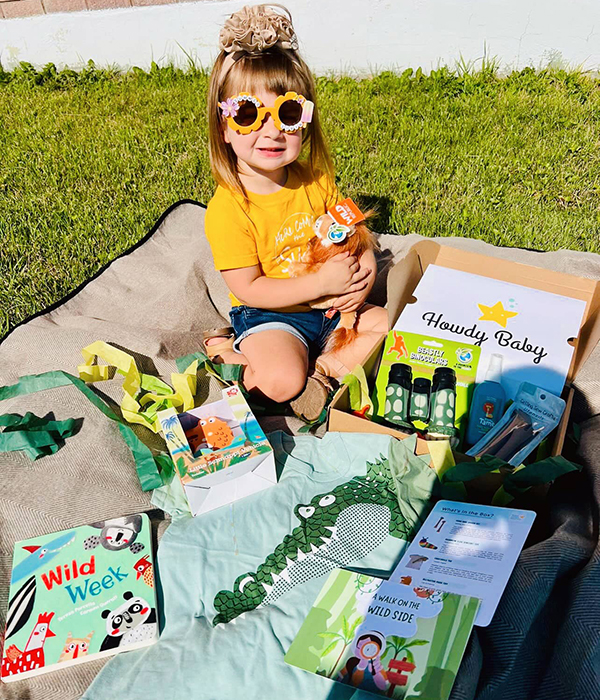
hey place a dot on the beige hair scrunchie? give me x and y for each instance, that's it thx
(255, 28)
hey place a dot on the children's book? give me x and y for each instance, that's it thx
(78, 595)
(392, 639)
(220, 451)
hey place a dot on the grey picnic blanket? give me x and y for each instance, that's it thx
(154, 302)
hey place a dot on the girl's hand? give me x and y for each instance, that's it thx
(341, 274)
(349, 303)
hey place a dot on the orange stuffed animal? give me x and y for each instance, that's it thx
(322, 247)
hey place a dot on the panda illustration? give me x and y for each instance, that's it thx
(132, 622)
(117, 534)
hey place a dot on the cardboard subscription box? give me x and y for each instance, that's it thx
(402, 282)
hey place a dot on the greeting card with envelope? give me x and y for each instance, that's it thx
(220, 452)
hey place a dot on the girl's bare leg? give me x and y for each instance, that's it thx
(276, 364)
(372, 324)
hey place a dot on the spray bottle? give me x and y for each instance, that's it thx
(488, 402)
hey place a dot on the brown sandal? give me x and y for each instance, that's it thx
(213, 352)
(311, 401)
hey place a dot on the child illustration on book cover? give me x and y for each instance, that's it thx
(364, 669)
(390, 639)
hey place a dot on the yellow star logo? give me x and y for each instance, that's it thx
(496, 313)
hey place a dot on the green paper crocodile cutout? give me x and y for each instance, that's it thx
(336, 528)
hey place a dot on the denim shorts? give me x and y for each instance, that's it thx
(311, 327)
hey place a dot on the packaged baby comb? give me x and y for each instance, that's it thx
(534, 413)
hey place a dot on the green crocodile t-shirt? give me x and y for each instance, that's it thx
(238, 582)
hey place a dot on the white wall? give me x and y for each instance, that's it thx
(336, 35)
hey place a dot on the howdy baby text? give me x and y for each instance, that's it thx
(504, 339)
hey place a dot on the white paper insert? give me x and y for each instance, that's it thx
(468, 549)
(528, 327)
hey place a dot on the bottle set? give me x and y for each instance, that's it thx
(428, 407)
(432, 402)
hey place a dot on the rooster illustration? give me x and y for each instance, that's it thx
(17, 661)
(144, 569)
(216, 433)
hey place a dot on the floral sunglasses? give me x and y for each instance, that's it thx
(246, 113)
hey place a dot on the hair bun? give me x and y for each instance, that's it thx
(257, 28)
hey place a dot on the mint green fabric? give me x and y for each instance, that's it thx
(416, 485)
(171, 499)
(199, 559)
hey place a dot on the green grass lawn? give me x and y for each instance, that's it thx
(89, 161)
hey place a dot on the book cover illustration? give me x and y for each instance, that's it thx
(79, 594)
(214, 436)
(392, 639)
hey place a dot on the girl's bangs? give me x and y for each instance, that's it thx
(271, 72)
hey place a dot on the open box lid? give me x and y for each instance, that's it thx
(406, 274)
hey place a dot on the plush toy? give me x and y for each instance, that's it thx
(333, 238)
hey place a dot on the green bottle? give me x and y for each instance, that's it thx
(443, 404)
(397, 395)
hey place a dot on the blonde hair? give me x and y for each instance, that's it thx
(275, 70)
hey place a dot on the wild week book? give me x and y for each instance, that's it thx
(392, 639)
(78, 595)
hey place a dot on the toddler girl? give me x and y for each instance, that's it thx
(262, 112)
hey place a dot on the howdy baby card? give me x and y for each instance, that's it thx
(530, 328)
(78, 595)
(220, 451)
(392, 639)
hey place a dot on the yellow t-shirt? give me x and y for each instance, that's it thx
(271, 230)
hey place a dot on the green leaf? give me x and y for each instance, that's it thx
(398, 642)
(466, 471)
(345, 628)
(355, 625)
(330, 635)
(417, 643)
(329, 649)
(34, 435)
(501, 498)
(540, 472)
(494, 463)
